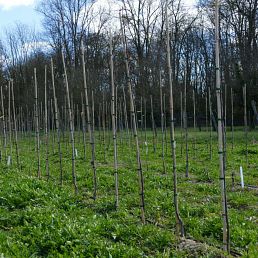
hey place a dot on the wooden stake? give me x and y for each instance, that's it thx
(226, 240)
(4, 123)
(194, 122)
(186, 130)
(154, 134)
(145, 135)
(232, 118)
(162, 124)
(83, 128)
(133, 115)
(179, 222)
(104, 127)
(90, 126)
(114, 124)
(245, 123)
(206, 115)
(181, 122)
(165, 121)
(57, 123)
(10, 122)
(126, 123)
(210, 113)
(93, 136)
(15, 131)
(71, 125)
(46, 126)
(37, 121)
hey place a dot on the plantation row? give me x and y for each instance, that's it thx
(123, 173)
(42, 218)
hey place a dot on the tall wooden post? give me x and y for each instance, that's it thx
(114, 124)
(226, 240)
(162, 124)
(179, 222)
(134, 126)
(186, 127)
(46, 125)
(232, 118)
(4, 123)
(71, 125)
(194, 122)
(15, 130)
(37, 121)
(57, 123)
(245, 123)
(90, 126)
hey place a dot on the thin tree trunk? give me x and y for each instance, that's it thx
(154, 139)
(83, 128)
(126, 124)
(15, 131)
(104, 128)
(145, 136)
(194, 121)
(71, 125)
(99, 124)
(181, 122)
(210, 113)
(114, 124)
(116, 109)
(121, 125)
(226, 240)
(51, 125)
(109, 123)
(41, 116)
(245, 123)
(141, 112)
(4, 123)
(93, 135)
(57, 123)
(10, 123)
(225, 124)
(139, 163)
(206, 115)
(162, 125)
(37, 121)
(90, 127)
(186, 131)
(78, 124)
(46, 125)
(179, 222)
(165, 121)
(232, 118)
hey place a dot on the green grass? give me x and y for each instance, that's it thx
(39, 218)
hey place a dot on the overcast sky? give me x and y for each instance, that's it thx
(23, 11)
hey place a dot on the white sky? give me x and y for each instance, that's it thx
(8, 4)
(112, 7)
(189, 2)
(23, 11)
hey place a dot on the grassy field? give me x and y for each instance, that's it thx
(39, 218)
